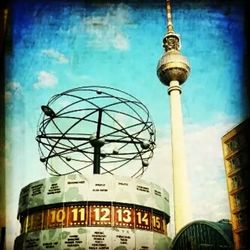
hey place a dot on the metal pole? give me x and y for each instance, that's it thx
(97, 144)
(97, 155)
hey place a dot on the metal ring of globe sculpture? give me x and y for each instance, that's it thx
(95, 126)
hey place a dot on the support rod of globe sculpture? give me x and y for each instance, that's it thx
(97, 153)
(97, 143)
(172, 70)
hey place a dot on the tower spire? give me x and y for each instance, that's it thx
(171, 39)
(170, 27)
(173, 70)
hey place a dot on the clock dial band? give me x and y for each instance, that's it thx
(91, 214)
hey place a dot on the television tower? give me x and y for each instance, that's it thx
(173, 70)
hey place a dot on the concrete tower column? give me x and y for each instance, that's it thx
(173, 70)
(182, 209)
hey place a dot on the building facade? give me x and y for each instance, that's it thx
(236, 152)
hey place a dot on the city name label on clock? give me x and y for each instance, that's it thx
(104, 214)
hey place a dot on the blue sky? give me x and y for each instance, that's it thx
(56, 47)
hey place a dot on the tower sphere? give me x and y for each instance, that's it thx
(172, 67)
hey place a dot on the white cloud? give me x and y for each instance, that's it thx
(15, 86)
(59, 57)
(45, 80)
(120, 42)
(106, 31)
(203, 147)
(13, 89)
(206, 170)
(207, 182)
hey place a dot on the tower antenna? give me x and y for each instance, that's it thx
(170, 27)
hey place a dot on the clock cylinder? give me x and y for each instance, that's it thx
(95, 212)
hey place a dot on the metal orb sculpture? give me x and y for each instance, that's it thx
(95, 129)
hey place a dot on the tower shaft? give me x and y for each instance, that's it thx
(173, 70)
(182, 208)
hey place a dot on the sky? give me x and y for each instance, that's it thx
(62, 45)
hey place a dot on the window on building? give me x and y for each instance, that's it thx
(241, 219)
(236, 182)
(239, 200)
(233, 144)
(235, 162)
